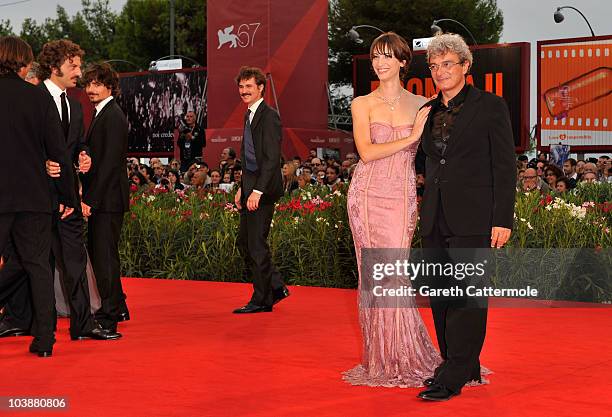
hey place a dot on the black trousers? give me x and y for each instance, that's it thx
(69, 254)
(103, 233)
(31, 235)
(253, 244)
(460, 327)
(15, 298)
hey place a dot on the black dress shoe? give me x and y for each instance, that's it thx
(253, 308)
(280, 294)
(429, 382)
(45, 353)
(98, 333)
(438, 392)
(111, 328)
(7, 330)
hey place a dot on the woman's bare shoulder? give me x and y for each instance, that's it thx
(416, 99)
(362, 102)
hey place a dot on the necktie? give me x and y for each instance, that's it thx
(65, 122)
(249, 146)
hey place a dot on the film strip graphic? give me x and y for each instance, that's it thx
(578, 82)
(574, 51)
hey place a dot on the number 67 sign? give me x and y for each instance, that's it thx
(244, 36)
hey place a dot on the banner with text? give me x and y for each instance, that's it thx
(574, 86)
(155, 104)
(295, 142)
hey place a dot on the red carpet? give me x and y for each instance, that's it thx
(185, 354)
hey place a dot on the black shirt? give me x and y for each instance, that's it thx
(444, 116)
(191, 149)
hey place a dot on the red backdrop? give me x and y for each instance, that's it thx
(288, 40)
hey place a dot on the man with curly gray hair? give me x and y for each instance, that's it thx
(468, 201)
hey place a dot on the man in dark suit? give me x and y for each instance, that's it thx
(468, 200)
(31, 134)
(191, 141)
(261, 186)
(105, 189)
(60, 68)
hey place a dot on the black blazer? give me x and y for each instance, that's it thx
(75, 142)
(267, 135)
(475, 181)
(105, 186)
(31, 134)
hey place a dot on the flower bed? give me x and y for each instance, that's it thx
(193, 235)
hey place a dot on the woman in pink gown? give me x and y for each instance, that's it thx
(382, 208)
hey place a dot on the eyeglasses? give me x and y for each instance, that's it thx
(446, 66)
(530, 177)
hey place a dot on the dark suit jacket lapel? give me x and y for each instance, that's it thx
(46, 90)
(98, 116)
(258, 114)
(73, 131)
(72, 127)
(426, 138)
(465, 116)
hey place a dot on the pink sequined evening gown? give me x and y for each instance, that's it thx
(382, 209)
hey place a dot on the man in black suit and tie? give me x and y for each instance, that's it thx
(31, 133)
(261, 186)
(60, 68)
(105, 189)
(468, 201)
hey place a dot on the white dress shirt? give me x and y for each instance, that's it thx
(253, 107)
(101, 104)
(56, 93)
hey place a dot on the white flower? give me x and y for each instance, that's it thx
(523, 220)
(578, 212)
(529, 226)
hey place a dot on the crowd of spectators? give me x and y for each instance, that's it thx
(541, 175)
(198, 175)
(537, 174)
